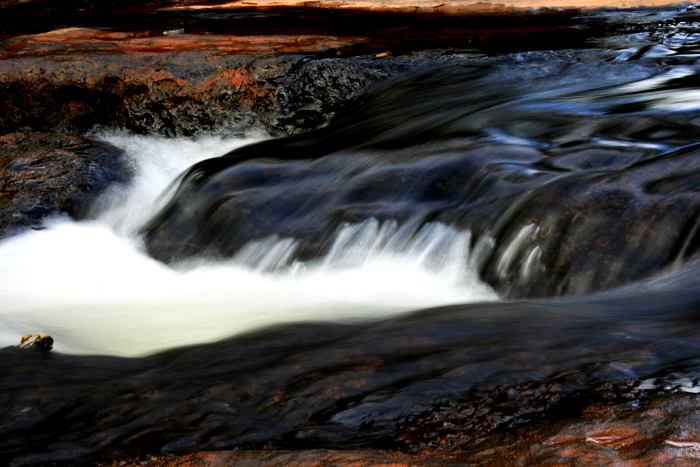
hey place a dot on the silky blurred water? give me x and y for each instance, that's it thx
(91, 286)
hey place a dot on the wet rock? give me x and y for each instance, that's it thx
(553, 210)
(36, 341)
(298, 458)
(651, 434)
(145, 87)
(461, 383)
(44, 174)
(641, 436)
(311, 94)
(86, 65)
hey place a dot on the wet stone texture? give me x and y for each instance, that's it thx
(36, 341)
(593, 379)
(145, 67)
(434, 382)
(662, 432)
(44, 174)
(557, 204)
(192, 90)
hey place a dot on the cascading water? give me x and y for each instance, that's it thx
(101, 294)
(545, 204)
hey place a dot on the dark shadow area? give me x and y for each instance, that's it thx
(398, 32)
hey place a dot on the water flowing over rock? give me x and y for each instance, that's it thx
(568, 186)
(318, 297)
(436, 381)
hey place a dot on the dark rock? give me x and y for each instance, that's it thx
(43, 174)
(73, 67)
(659, 432)
(312, 92)
(178, 93)
(454, 381)
(556, 211)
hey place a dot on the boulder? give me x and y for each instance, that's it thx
(557, 203)
(44, 174)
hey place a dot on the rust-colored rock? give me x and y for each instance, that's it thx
(308, 457)
(36, 341)
(456, 6)
(174, 86)
(74, 40)
(651, 435)
(284, 67)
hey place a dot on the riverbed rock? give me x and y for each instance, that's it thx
(659, 432)
(457, 146)
(45, 174)
(208, 83)
(156, 67)
(484, 379)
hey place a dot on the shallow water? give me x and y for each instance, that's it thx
(540, 209)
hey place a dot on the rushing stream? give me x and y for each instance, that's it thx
(540, 208)
(129, 304)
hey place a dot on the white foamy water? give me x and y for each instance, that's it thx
(90, 285)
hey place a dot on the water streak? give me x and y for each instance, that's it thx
(91, 286)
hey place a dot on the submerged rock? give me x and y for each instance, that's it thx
(298, 458)
(44, 174)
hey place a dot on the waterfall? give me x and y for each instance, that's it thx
(91, 286)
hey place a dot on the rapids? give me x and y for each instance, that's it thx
(96, 272)
(507, 241)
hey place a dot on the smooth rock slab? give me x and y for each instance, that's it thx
(439, 380)
(559, 200)
(606, 433)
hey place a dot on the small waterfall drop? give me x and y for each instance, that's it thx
(90, 285)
